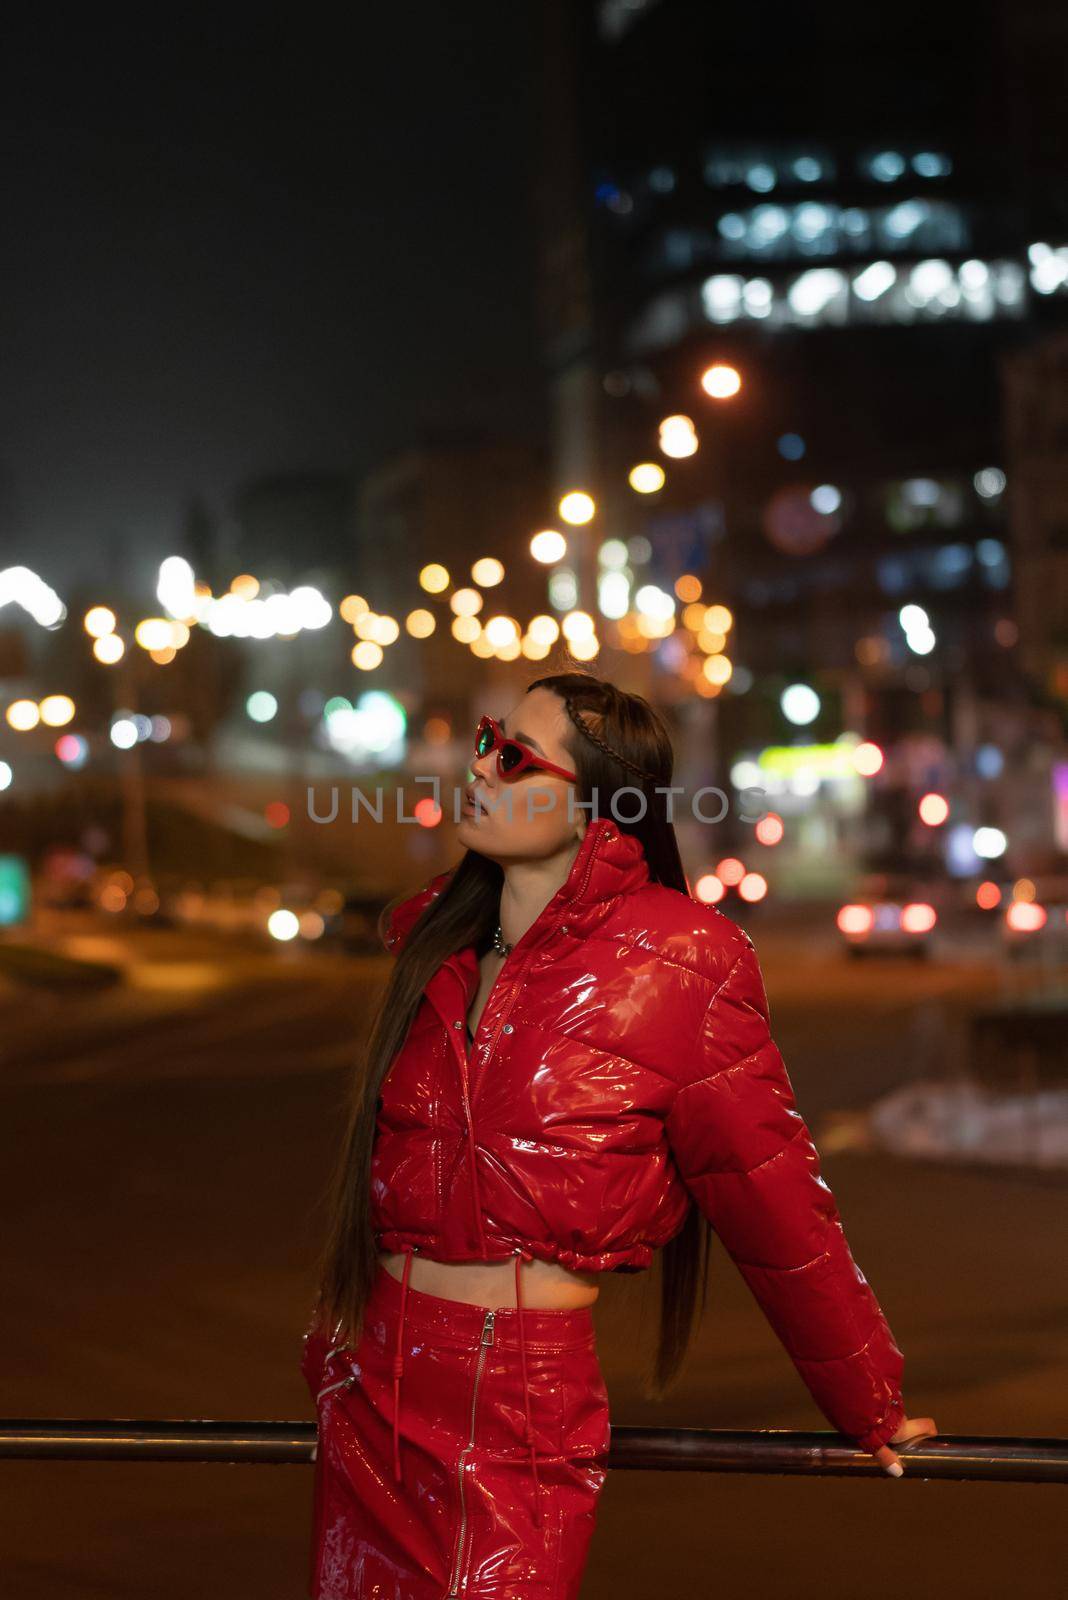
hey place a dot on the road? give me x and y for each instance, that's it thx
(164, 1153)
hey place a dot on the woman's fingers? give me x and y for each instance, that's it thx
(914, 1428)
(910, 1432)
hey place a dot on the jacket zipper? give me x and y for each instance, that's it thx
(464, 1061)
(461, 1048)
(515, 986)
(486, 1341)
(342, 1383)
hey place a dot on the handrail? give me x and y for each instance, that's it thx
(959, 1457)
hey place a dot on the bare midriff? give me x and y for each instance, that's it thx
(546, 1285)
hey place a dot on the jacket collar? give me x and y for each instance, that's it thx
(608, 863)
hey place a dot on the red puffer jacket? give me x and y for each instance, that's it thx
(622, 1069)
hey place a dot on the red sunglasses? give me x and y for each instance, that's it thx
(513, 757)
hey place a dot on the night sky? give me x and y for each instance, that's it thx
(230, 252)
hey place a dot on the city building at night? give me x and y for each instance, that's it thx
(791, 301)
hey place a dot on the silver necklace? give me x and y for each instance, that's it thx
(499, 945)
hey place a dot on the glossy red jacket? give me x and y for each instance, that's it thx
(623, 1069)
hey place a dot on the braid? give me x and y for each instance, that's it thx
(588, 733)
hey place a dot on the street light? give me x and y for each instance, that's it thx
(678, 437)
(646, 478)
(577, 507)
(548, 546)
(720, 381)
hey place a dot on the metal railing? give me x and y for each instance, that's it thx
(959, 1457)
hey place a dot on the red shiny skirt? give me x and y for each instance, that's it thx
(458, 1454)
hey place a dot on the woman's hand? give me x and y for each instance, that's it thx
(910, 1431)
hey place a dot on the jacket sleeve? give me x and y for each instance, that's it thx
(748, 1159)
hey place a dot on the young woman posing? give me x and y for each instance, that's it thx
(571, 1070)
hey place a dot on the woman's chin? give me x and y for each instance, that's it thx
(467, 827)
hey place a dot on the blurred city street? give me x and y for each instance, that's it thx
(161, 1175)
(649, 403)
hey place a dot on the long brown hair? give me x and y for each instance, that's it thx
(619, 741)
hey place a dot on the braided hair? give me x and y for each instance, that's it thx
(595, 738)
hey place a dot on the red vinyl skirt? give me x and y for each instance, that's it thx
(461, 1452)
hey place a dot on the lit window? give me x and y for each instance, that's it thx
(810, 221)
(931, 164)
(721, 297)
(761, 177)
(886, 166)
(732, 226)
(1009, 282)
(974, 276)
(1049, 268)
(808, 169)
(767, 223)
(874, 280)
(814, 291)
(928, 279)
(906, 218)
(989, 482)
(948, 566)
(757, 297)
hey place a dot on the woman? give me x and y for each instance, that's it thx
(570, 1070)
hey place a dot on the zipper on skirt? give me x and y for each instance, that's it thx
(484, 1343)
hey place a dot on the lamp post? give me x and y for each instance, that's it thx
(131, 774)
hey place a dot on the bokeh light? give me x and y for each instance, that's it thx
(548, 546)
(721, 381)
(56, 710)
(933, 809)
(99, 620)
(434, 578)
(577, 507)
(647, 477)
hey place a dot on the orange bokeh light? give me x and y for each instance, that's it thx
(721, 381)
(855, 919)
(769, 830)
(868, 759)
(934, 809)
(1025, 916)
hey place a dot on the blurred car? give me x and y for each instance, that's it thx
(1033, 916)
(65, 880)
(890, 914)
(356, 924)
